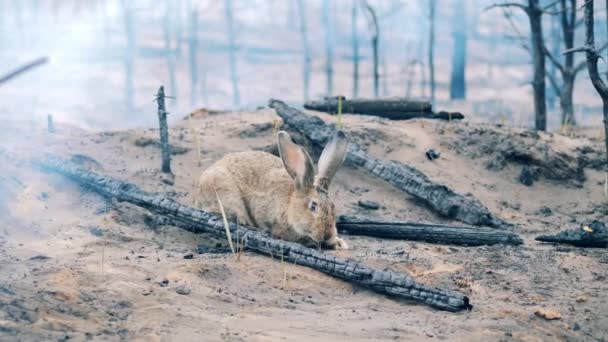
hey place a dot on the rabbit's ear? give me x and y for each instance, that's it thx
(296, 161)
(332, 158)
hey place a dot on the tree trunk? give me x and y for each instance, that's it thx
(552, 93)
(433, 233)
(355, 43)
(431, 47)
(437, 196)
(327, 25)
(566, 100)
(305, 48)
(169, 50)
(538, 57)
(236, 97)
(459, 55)
(193, 51)
(383, 281)
(594, 74)
(129, 54)
(376, 70)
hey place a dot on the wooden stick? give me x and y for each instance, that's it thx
(164, 131)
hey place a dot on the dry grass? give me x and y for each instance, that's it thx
(226, 225)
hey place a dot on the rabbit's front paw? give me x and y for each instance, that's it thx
(340, 244)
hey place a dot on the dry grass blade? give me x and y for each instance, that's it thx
(226, 225)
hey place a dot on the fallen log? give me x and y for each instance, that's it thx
(433, 233)
(383, 281)
(594, 234)
(411, 115)
(437, 196)
(370, 106)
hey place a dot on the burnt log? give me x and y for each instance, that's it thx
(413, 115)
(438, 197)
(594, 234)
(369, 106)
(195, 220)
(433, 233)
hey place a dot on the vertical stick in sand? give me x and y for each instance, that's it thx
(164, 131)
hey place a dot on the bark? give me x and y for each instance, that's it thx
(164, 131)
(438, 197)
(369, 106)
(432, 5)
(236, 97)
(24, 68)
(538, 57)
(355, 43)
(433, 233)
(459, 55)
(383, 281)
(594, 234)
(305, 49)
(329, 69)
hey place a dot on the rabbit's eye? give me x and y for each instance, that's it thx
(313, 206)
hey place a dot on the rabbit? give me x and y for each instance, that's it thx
(281, 196)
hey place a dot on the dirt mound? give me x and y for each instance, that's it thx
(540, 154)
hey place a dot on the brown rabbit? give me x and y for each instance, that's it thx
(281, 196)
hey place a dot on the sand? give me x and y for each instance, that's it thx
(76, 266)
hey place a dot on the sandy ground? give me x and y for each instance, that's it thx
(75, 266)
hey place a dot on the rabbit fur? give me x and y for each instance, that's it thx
(281, 196)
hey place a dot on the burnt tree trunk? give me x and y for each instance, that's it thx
(433, 233)
(594, 74)
(193, 54)
(437, 196)
(383, 281)
(375, 40)
(329, 69)
(355, 45)
(236, 97)
(431, 55)
(459, 55)
(169, 52)
(538, 60)
(164, 131)
(129, 58)
(305, 49)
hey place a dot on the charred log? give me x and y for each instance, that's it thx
(438, 197)
(433, 233)
(594, 234)
(383, 281)
(370, 106)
